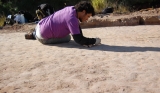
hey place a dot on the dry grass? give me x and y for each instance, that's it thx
(122, 9)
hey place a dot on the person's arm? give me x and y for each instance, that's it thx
(80, 39)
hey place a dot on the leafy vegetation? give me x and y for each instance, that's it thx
(98, 4)
(2, 19)
(13, 6)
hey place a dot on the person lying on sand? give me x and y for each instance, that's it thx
(57, 27)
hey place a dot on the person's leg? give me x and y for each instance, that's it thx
(55, 40)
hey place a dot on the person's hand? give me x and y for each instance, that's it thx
(98, 41)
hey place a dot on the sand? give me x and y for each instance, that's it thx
(127, 61)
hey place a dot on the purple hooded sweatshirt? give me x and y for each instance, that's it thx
(60, 24)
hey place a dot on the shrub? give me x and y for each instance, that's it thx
(98, 5)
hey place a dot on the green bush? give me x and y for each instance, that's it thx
(98, 5)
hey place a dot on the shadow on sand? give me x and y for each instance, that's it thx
(104, 47)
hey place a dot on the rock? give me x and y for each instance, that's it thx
(122, 21)
(100, 22)
(146, 17)
(151, 20)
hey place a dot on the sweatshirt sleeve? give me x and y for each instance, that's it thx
(80, 39)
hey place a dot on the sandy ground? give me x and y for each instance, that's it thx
(128, 61)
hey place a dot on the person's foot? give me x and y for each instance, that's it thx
(30, 35)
